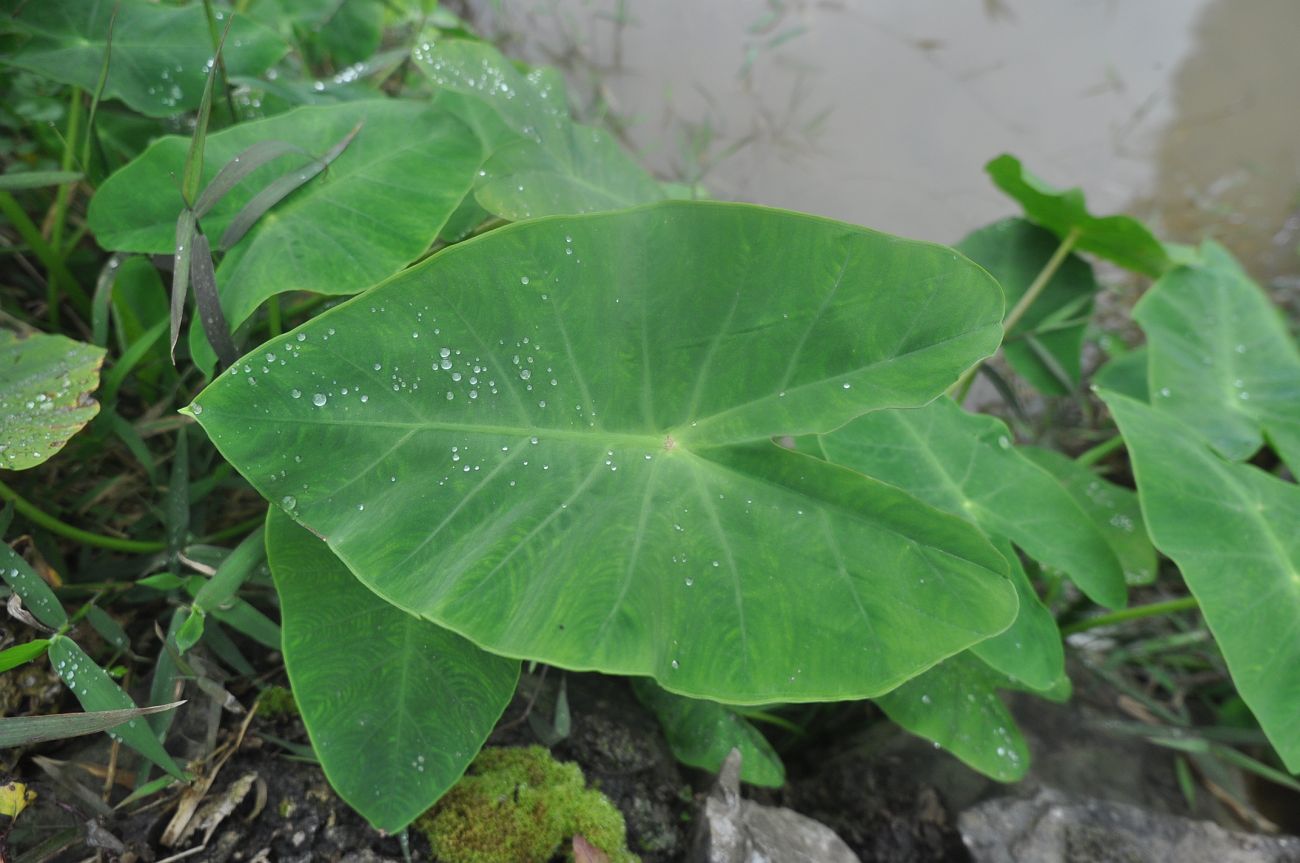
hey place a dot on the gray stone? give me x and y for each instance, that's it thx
(733, 830)
(1053, 828)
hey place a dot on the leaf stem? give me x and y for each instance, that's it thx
(1036, 287)
(1040, 281)
(1137, 612)
(63, 197)
(1095, 454)
(53, 525)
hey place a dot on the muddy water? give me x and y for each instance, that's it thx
(882, 112)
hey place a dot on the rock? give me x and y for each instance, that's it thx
(1053, 828)
(734, 830)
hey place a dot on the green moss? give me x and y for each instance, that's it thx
(276, 702)
(518, 805)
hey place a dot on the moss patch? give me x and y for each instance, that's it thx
(519, 805)
(276, 702)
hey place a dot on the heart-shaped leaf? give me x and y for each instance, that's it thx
(1231, 528)
(956, 704)
(556, 167)
(1113, 509)
(1220, 358)
(159, 63)
(348, 228)
(395, 706)
(1121, 239)
(965, 463)
(45, 387)
(554, 439)
(1044, 346)
(1125, 374)
(703, 733)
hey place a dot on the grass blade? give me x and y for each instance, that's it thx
(193, 174)
(13, 181)
(20, 654)
(178, 500)
(36, 595)
(99, 89)
(239, 167)
(203, 276)
(278, 190)
(26, 730)
(103, 298)
(232, 572)
(96, 691)
(185, 233)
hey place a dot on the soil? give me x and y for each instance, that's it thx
(890, 796)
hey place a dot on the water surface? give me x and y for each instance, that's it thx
(1183, 112)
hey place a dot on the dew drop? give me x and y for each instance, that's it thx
(318, 400)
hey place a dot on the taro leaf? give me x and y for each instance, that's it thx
(26, 730)
(160, 52)
(1231, 528)
(1220, 358)
(587, 172)
(557, 167)
(956, 704)
(1015, 251)
(566, 457)
(1121, 239)
(344, 32)
(96, 691)
(1113, 509)
(965, 463)
(36, 595)
(1030, 650)
(1126, 374)
(395, 706)
(702, 733)
(376, 208)
(45, 387)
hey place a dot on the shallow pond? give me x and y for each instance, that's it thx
(1183, 112)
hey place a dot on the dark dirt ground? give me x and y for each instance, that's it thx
(890, 796)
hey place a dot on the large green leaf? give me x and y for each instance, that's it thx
(1126, 374)
(1121, 239)
(703, 733)
(1220, 358)
(956, 704)
(1030, 650)
(1231, 528)
(965, 463)
(160, 52)
(566, 457)
(556, 166)
(377, 207)
(45, 387)
(1113, 509)
(395, 706)
(333, 33)
(1044, 346)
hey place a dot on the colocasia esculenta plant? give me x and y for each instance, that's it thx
(564, 419)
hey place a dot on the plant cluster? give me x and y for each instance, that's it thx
(568, 414)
